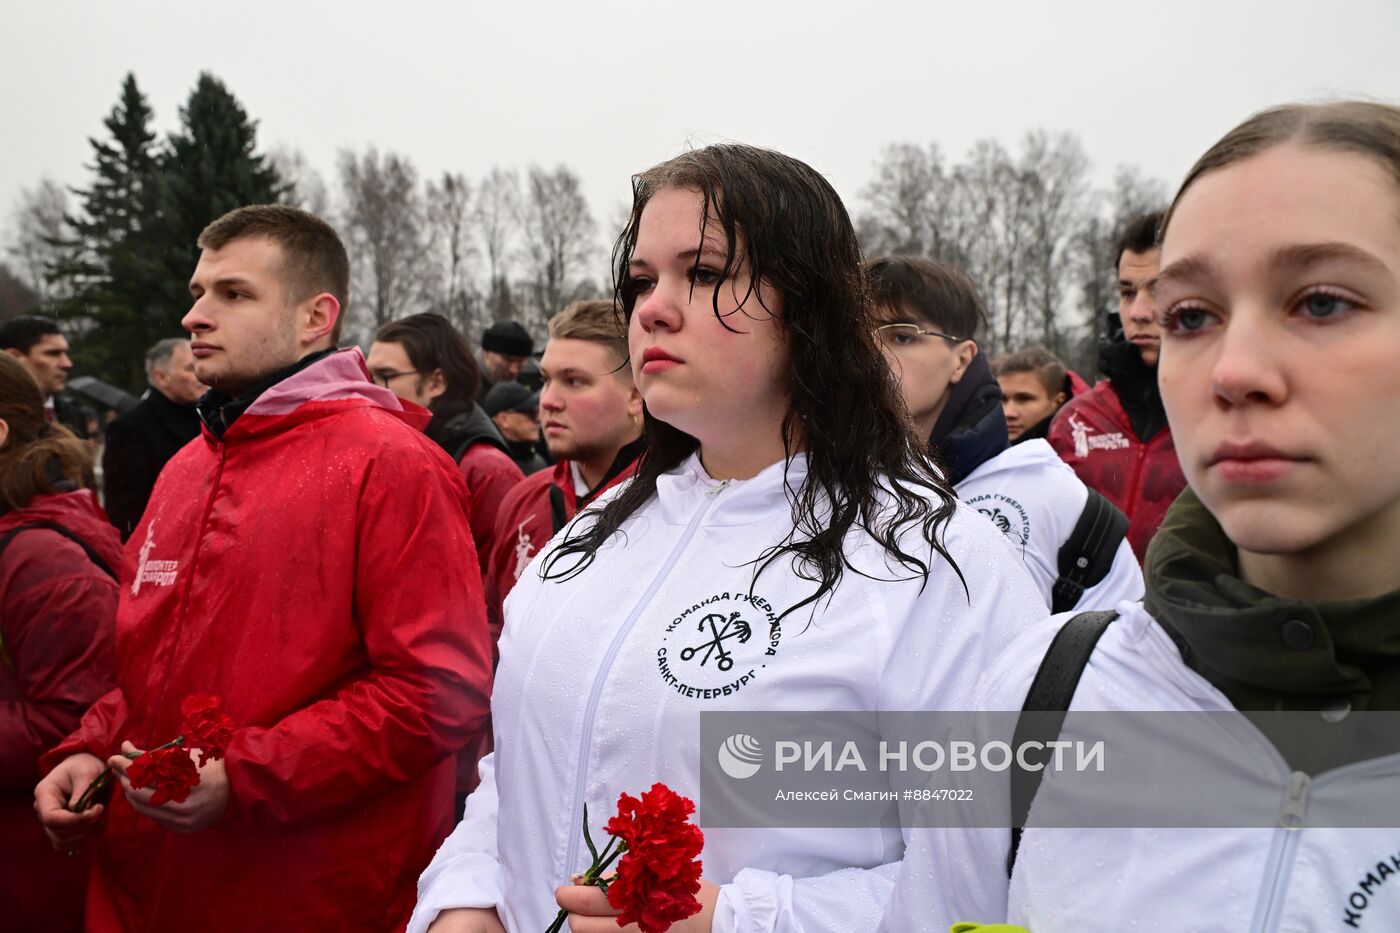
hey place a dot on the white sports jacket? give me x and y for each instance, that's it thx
(1035, 498)
(1256, 880)
(603, 678)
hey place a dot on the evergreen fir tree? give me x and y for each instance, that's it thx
(113, 262)
(209, 168)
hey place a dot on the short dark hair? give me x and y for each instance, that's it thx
(23, 332)
(431, 342)
(313, 257)
(1046, 366)
(938, 293)
(1139, 235)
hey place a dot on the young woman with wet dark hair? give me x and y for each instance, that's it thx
(831, 397)
(1273, 585)
(786, 545)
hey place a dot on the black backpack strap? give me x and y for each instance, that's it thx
(1087, 554)
(1051, 692)
(558, 508)
(67, 533)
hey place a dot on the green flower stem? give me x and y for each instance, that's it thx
(104, 778)
(592, 876)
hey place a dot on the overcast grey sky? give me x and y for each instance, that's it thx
(610, 87)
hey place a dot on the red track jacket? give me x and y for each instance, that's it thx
(1092, 433)
(314, 568)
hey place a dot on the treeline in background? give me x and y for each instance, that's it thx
(112, 257)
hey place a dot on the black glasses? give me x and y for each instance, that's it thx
(894, 336)
(384, 378)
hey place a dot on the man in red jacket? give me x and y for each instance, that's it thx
(310, 562)
(422, 359)
(1115, 436)
(591, 414)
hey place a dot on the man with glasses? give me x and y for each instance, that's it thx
(1071, 539)
(424, 360)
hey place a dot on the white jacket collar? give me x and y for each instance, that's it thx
(683, 489)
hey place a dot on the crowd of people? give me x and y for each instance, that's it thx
(438, 588)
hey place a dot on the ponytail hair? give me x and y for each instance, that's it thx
(37, 457)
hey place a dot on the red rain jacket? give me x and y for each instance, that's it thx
(57, 609)
(314, 568)
(525, 522)
(1092, 433)
(490, 475)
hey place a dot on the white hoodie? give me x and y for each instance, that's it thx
(597, 694)
(1177, 880)
(1035, 498)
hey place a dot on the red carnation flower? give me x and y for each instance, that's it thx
(170, 771)
(206, 727)
(658, 876)
(169, 768)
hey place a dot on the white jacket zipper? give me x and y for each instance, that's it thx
(590, 711)
(1291, 819)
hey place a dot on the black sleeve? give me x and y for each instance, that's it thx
(128, 476)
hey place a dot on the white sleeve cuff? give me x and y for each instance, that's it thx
(472, 879)
(751, 903)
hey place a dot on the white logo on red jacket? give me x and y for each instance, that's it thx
(154, 572)
(1085, 440)
(524, 549)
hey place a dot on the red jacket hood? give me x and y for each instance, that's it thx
(79, 513)
(332, 384)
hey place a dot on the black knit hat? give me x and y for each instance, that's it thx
(510, 396)
(508, 338)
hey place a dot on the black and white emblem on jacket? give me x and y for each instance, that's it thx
(719, 644)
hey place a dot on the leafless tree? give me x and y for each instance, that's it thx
(497, 216)
(1054, 172)
(15, 296)
(386, 234)
(906, 202)
(558, 238)
(306, 188)
(990, 232)
(40, 231)
(450, 220)
(1026, 227)
(1134, 194)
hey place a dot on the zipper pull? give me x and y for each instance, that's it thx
(717, 490)
(1295, 801)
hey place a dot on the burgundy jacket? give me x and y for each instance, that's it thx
(57, 612)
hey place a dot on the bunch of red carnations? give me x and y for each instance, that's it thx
(658, 877)
(170, 768)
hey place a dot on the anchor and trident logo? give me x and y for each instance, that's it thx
(721, 630)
